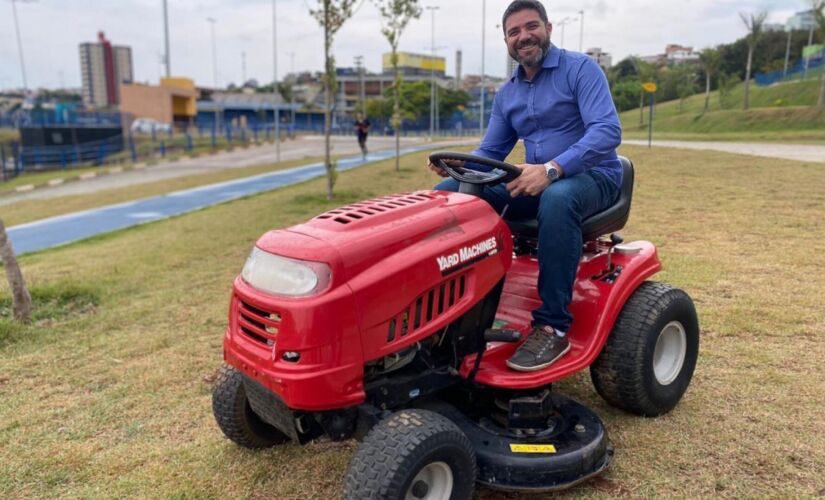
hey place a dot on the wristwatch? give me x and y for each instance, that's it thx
(552, 172)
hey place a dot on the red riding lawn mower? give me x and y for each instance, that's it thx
(391, 320)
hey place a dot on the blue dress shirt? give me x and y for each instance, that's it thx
(566, 114)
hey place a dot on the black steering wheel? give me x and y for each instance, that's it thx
(501, 171)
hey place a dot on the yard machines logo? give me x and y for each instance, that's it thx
(467, 255)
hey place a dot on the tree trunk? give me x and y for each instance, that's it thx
(748, 78)
(707, 92)
(821, 102)
(642, 109)
(20, 298)
(396, 110)
(328, 111)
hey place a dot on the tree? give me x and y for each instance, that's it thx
(685, 83)
(818, 7)
(710, 59)
(726, 85)
(331, 15)
(20, 298)
(646, 73)
(396, 14)
(754, 23)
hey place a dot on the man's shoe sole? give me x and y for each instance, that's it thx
(520, 368)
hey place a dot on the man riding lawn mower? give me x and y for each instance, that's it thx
(375, 321)
(432, 325)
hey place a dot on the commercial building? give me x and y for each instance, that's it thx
(103, 67)
(174, 100)
(410, 64)
(603, 59)
(804, 20)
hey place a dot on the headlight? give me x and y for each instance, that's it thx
(283, 276)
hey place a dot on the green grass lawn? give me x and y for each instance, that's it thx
(108, 393)
(778, 113)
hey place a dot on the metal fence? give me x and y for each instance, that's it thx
(797, 72)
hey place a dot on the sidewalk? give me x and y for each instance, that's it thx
(798, 152)
(64, 229)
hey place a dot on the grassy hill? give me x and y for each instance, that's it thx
(781, 112)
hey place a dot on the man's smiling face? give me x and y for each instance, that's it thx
(527, 37)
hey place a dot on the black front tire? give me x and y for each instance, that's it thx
(405, 446)
(236, 418)
(624, 373)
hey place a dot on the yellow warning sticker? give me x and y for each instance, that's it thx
(532, 448)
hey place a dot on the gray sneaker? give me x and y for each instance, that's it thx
(541, 349)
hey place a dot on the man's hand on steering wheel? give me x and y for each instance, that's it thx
(532, 181)
(440, 171)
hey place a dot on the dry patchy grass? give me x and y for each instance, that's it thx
(115, 402)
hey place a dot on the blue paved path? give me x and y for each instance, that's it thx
(68, 228)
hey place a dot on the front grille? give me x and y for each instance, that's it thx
(427, 307)
(365, 209)
(257, 324)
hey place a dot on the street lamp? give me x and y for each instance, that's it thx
(432, 10)
(275, 110)
(483, 44)
(20, 44)
(212, 22)
(581, 32)
(166, 57)
(564, 22)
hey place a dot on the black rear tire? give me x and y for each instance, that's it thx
(624, 373)
(405, 447)
(236, 418)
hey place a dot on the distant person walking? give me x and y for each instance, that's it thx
(362, 128)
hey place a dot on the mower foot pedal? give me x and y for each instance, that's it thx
(493, 335)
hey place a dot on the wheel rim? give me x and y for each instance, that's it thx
(433, 482)
(669, 355)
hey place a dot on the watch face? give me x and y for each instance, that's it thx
(552, 174)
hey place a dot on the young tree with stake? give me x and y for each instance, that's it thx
(20, 298)
(711, 60)
(755, 24)
(331, 15)
(396, 14)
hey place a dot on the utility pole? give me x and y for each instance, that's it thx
(20, 46)
(581, 32)
(787, 55)
(432, 69)
(167, 59)
(212, 22)
(564, 22)
(483, 45)
(243, 68)
(359, 64)
(808, 57)
(276, 111)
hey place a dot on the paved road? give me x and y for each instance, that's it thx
(800, 152)
(302, 147)
(68, 228)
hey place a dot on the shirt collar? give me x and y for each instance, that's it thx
(551, 60)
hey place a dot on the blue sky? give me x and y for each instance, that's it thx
(52, 29)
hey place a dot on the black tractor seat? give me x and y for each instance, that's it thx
(607, 221)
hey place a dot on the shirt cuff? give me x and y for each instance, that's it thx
(570, 163)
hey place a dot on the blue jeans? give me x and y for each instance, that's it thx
(560, 210)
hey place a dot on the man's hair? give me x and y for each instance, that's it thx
(520, 5)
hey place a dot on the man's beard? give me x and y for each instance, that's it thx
(530, 62)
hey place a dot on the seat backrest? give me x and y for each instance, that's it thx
(607, 221)
(614, 217)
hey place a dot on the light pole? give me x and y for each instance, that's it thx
(20, 46)
(808, 57)
(787, 55)
(432, 10)
(483, 44)
(359, 63)
(276, 111)
(564, 22)
(581, 32)
(166, 57)
(212, 22)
